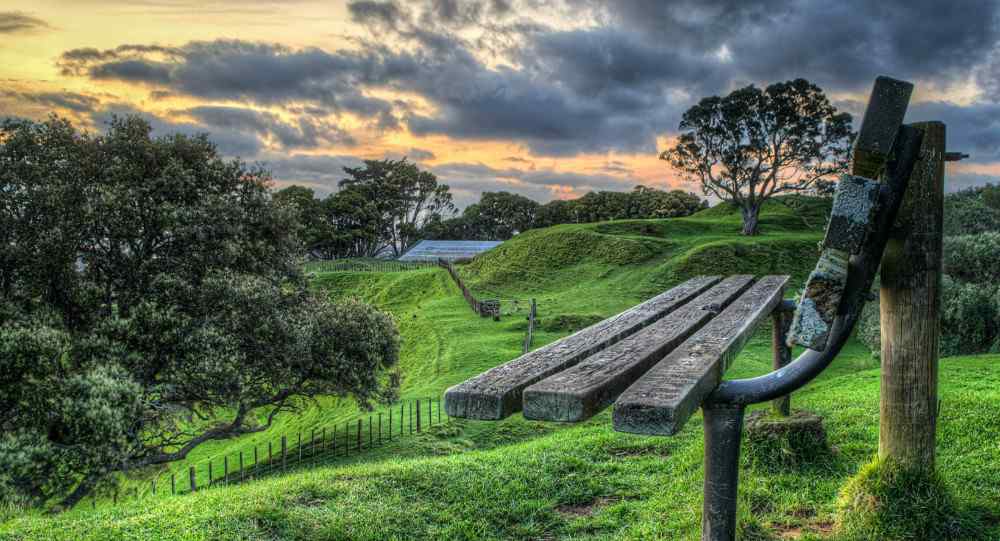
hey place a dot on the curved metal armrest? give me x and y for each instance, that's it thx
(861, 274)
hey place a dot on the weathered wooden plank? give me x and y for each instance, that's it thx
(496, 393)
(852, 213)
(847, 228)
(581, 391)
(883, 117)
(663, 399)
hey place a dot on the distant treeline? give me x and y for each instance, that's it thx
(386, 206)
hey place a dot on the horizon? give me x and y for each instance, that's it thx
(547, 100)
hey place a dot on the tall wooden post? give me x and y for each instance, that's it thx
(910, 300)
(782, 355)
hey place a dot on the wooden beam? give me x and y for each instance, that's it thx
(663, 399)
(883, 117)
(581, 391)
(496, 393)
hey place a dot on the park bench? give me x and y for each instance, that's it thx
(660, 361)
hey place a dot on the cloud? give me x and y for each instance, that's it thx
(72, 101)
(303, 132)
(12, 22)
(319, 172)
(420, 154)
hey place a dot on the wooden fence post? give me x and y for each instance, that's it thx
(241, 466)
(284, 452)
(173, 484)
(390, 424)
(152, 485)
(781, 355)
(410, 416)
(430, 412)
(210, 480)
(418, 415)
(225, 469)
(380, 428)
(402, 406)
(359, 435)
(910, 302)
(194, 485)
(299, 445)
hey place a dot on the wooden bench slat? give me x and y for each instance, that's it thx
(583, 390)
(663, 399)
(496, 393)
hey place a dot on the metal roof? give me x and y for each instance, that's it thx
(430, 250)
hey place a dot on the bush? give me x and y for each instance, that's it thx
(973, 258)
(969, 314)
(966, 213)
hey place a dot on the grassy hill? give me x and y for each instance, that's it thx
(526, 480)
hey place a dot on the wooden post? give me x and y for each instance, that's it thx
(284, 452)
(401, 408)
(910, 302)
(390, 424)
(782, 355)
(225, 470)
(418, 415)
(359, 435)
(410, 416)
(438, 400)
(299, 445)
(430, 412)
(210, 472)
(270, 455)
(173, 485)
(152, 485)
(194, 485)
(322, 438)
(241, 466)
(380, 428)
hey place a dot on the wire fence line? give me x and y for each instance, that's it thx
(323, 444)
(366, 265)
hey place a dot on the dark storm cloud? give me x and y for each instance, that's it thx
(229, 142)
(72, 101)
(13, 22)
(322, 173)
(305, 132)
(420, 154)
(613, 86)
(973, 129)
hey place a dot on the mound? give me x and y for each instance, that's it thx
(540, 255)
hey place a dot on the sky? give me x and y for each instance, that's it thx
(546, 99)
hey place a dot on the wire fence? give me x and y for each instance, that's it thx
(366, 265)
(319, 445)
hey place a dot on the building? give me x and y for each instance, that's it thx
(450, 250)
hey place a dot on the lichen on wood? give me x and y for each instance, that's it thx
(818, 307)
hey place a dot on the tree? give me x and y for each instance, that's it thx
(314, 229)
(401, 198)
(753, 144)
(151, 300)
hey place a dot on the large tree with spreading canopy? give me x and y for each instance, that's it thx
(151, 300)
(753, 144)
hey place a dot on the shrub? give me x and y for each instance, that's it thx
(969, 314)
(965, 213)
(973, 258)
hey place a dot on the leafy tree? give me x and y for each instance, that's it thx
(151, 300)
(400, 197)
(753, 144)
(310, 219)
(558, 211)
(652, 203)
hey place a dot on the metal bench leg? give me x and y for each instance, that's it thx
(723, 431)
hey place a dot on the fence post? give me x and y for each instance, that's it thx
(359, 435)
(173, 484)
(438, 400)
(390, 424)
(322, 439)
(430, 412)
(370, 432)
(418, 415)
(402, 406)
(300, 446)
(241, 466)
(409, 416)
(210, 480)
(284, 452)
(333, 439)
(194, 485)
(380, 428)
(225, 469)
(153, 485)
(255, 456)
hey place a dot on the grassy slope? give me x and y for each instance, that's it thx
(519, 479)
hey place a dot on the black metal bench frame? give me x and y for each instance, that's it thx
(724, 407)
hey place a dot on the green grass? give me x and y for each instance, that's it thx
(518, 479)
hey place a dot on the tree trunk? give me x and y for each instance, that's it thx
(751, 219)
(910, 300)
(81, 491)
